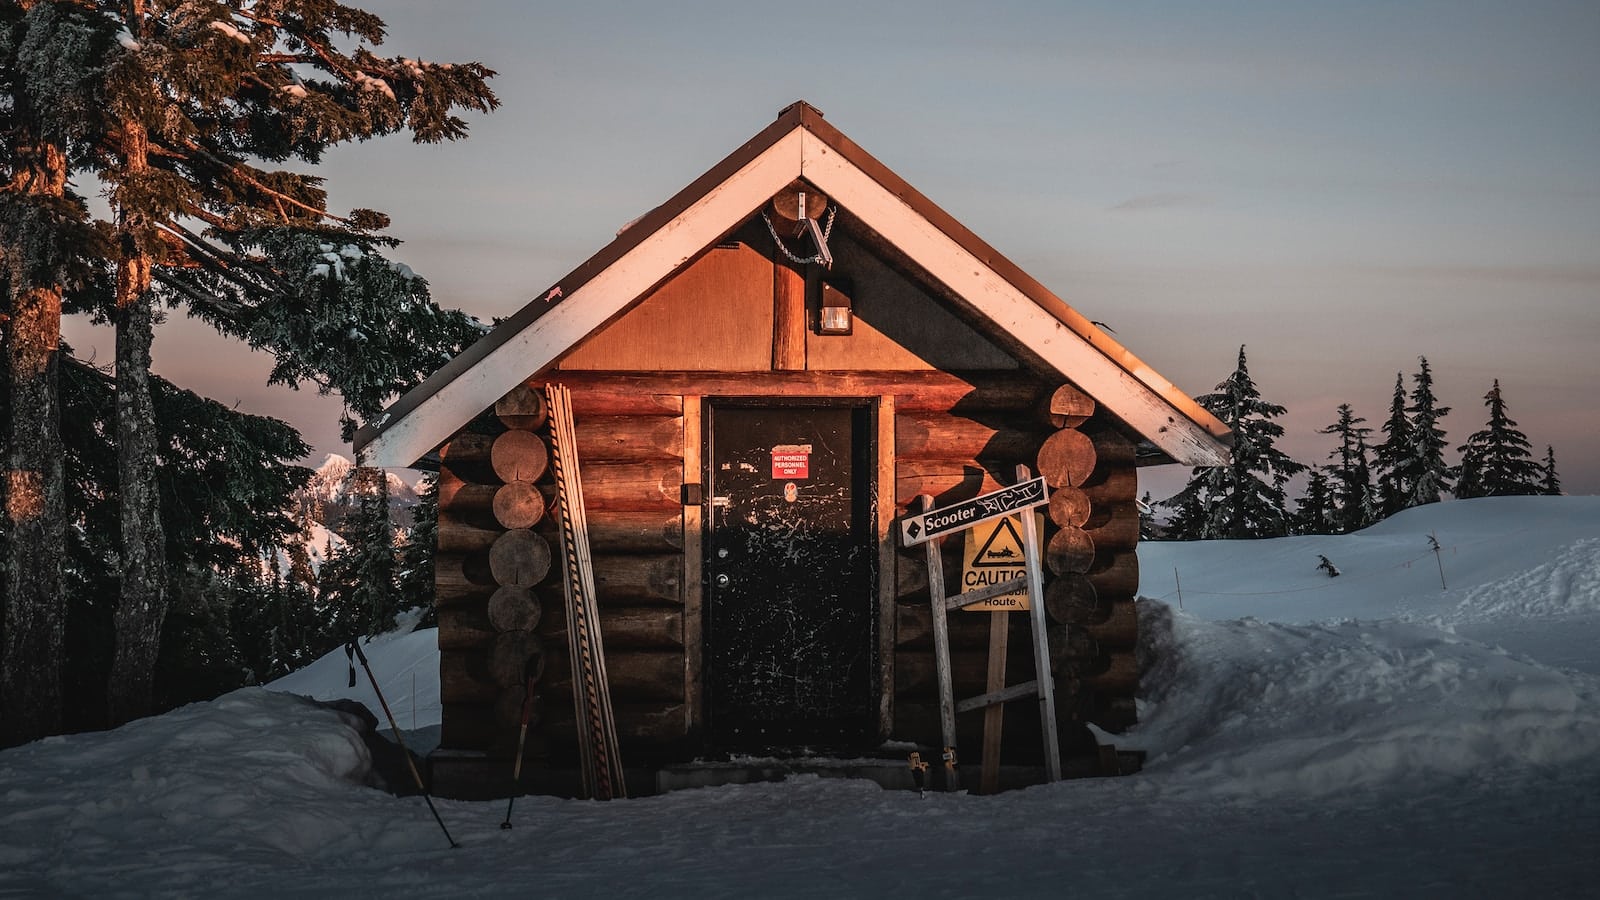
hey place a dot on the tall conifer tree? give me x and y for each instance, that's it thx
(1498, 461)
(1392, 455)
(192, 105)
(1428, 474)
(1352, 487)
(1317, 512)
(46, 100)
(372, 543)
(1550, 483)
(1245, 498)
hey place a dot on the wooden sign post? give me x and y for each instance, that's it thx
(929, 527)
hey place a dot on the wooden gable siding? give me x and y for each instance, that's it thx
(898, 324)
(726, 312)
(715, 315)
(950, 435)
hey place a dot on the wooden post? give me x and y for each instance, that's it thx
(941, 654)
(994, 717)
(1041, 647)
(693, 575)
(788, 316)
(888, 560)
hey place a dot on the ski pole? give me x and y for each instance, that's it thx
(354, 647)
(530, 675)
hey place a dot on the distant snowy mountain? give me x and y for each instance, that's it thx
(334, 493)
(325, 505)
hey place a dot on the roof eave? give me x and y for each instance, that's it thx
(798, 144)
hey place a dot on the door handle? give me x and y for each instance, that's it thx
(722, 581)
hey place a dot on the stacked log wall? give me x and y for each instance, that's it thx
(489, 564)
(954, 436)
(630, 461)
(1091, 573)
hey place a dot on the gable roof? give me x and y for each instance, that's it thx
(799, 144)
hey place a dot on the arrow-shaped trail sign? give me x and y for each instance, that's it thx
(923, 527)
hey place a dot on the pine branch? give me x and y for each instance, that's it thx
(241, 172)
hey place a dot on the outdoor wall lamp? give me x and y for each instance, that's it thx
(837, 315)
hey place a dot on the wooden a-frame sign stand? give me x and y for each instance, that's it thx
(929, 527)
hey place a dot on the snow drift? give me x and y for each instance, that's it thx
(1362, 735)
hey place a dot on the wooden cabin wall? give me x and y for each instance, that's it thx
(1091, 532)
(737, 322)
(950, 436)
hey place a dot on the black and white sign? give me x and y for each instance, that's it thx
(918, 529)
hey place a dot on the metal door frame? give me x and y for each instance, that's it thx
(867, 438)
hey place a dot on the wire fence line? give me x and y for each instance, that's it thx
(1361, 576)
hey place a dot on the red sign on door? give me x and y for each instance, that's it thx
(791, 461)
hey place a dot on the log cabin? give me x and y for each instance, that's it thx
(766, 372)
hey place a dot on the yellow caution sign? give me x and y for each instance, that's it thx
(993, 554)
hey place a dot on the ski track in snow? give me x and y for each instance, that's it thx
(1307, 736)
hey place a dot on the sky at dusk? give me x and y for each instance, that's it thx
(1341, 187)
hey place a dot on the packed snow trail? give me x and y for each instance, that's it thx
(1365, 735)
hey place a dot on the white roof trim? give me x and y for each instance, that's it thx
(1135, 401)
(1125, 386)
(588, 307)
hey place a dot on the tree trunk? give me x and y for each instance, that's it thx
(142, 606)
(30, 667)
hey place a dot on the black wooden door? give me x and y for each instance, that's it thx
(790, 647)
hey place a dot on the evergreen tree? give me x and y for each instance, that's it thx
(1393, 487)
(1245, 498)
(1550, 484)
(1316, 512)
(225, 479)
(45, 51)
(1352, 487)
(1498, 461)
(372, 543)
(180, 109)
(414, 580)
(1369, 511)
(1188, 521)
(1428, 474)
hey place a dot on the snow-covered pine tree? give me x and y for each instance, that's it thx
(1244, 499)
(1498, 460)
(1428, 474)
(414, 579)
(224, 476)
(1316, 512)
(1369, 512)
(46, 65)
(186, 108)
(1550, 483)
(1188, 520)
(1352, 478)
(373, 547)
(1393, 453)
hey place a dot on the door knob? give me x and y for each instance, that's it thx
(722, 581)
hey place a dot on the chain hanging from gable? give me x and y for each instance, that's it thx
(827, 231)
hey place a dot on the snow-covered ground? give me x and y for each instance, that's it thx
(1366, 735)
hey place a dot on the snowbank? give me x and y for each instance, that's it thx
(1251, 708)
(1308, 736)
